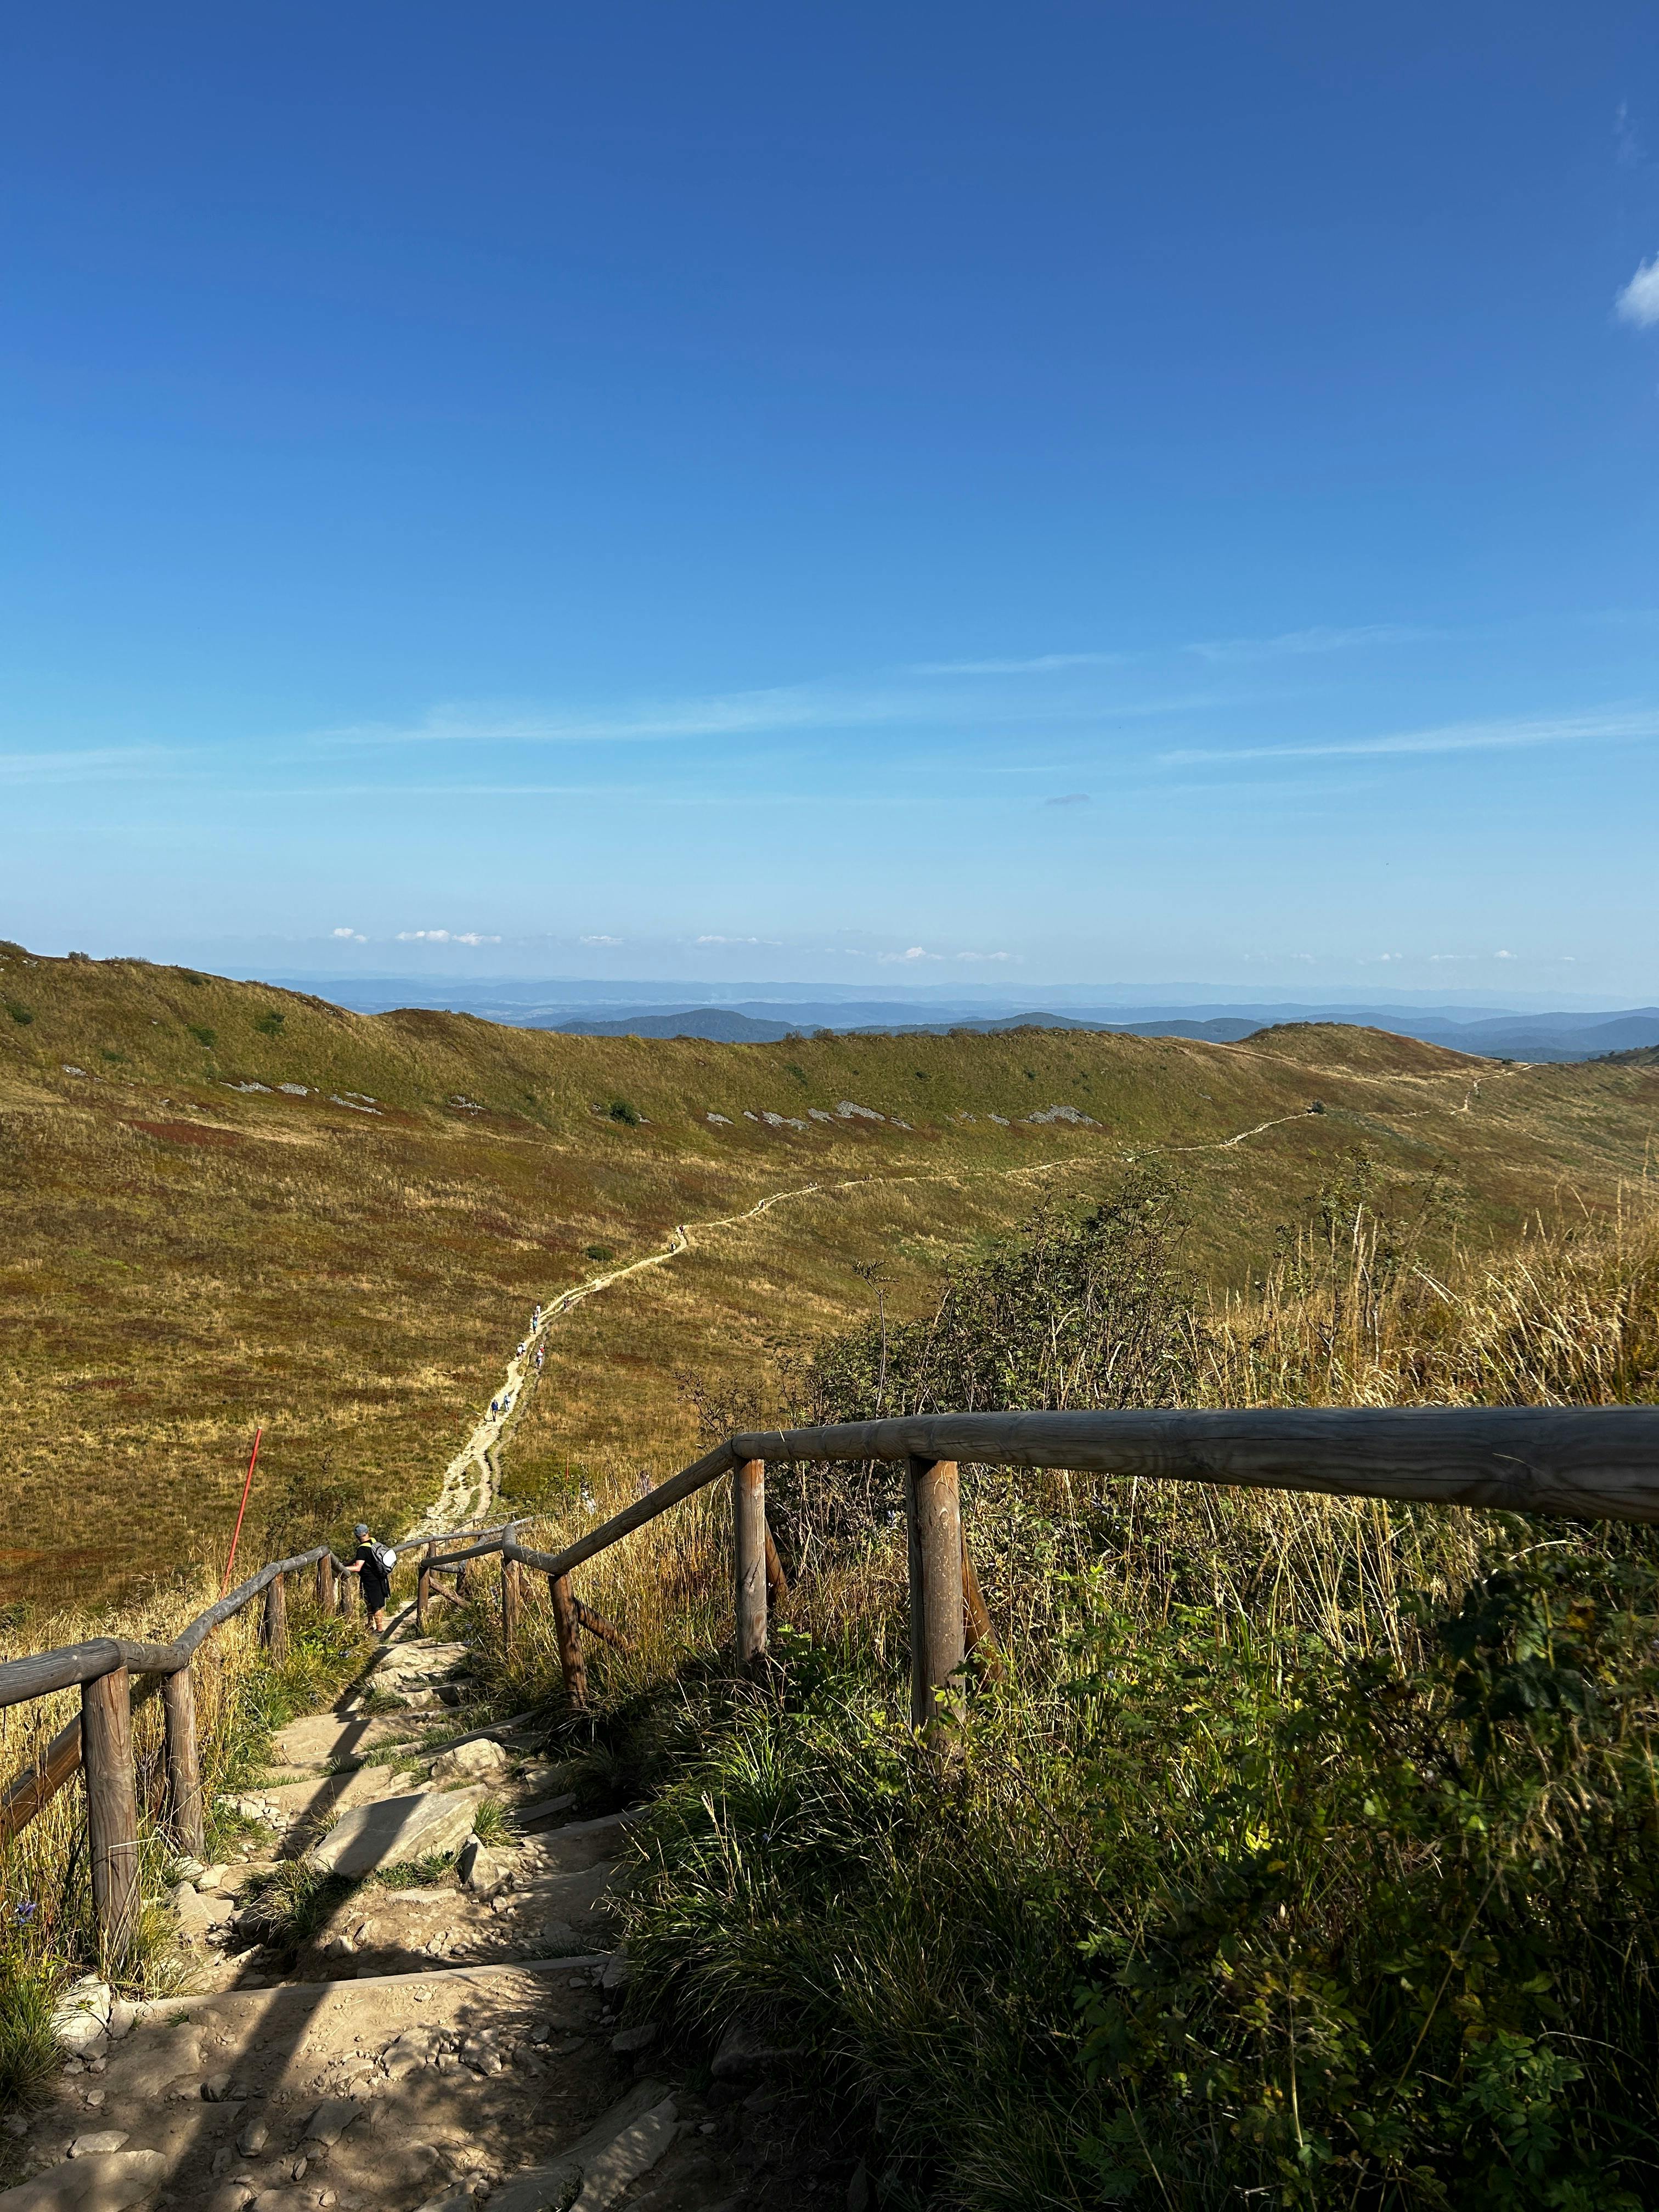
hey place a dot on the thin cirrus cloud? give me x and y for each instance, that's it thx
(740, 713)
(1043, 664)
(779, 709)
(1296, 644)
(1452, 738)
(1638, 303)
(1069, 798)
(92, 764)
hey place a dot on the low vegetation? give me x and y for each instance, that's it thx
(1291, 1850)
(224, 1203)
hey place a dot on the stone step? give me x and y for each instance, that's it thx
(395, 1830)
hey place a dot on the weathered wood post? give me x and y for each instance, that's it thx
(423, 1591)
(749, 1558)
(184, 1768)
(274, 1634)
(325, 1582)
(511, 1598)
(937, 1639)
(112, 1808)
(977, 1612)
(567, 1629)
(776, 1581)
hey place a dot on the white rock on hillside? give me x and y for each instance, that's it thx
(396, 1830)
(481, 1757)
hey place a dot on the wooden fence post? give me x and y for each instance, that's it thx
(510, 1598)
(570, 1635)
(776, 1581)
(749, 1558)
(937, 1639)
(274, 1635)
(184, 1769)
(112, 1808)
(423, 1591)
(325, 1582)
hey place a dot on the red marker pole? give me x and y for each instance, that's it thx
(236, 1535)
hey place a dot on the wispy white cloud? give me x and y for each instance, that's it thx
(1293, 644)
(790, 707)
(1638, 302)
(739, 940)
(1069, 798)
(1043, 664)
(442, 937)
(94, 764)
(914, 953)
(600, 939)
(351, 936)
(1625, 727)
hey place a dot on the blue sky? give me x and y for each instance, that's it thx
(964, 495)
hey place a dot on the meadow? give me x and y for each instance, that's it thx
(226, 1203)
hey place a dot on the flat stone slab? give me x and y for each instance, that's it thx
(322, 1795)
(580, 1843)
(598, 2165)
(325, 1739)
(396, 1829)
(105, 2184)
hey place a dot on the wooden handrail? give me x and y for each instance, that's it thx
(1598, 1462)
(678, 1486)
(38, 1675)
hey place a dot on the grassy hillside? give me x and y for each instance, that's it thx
(190, 1247)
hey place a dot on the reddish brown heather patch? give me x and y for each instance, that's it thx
(186, 1133)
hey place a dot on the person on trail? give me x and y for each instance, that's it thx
(374, 1563)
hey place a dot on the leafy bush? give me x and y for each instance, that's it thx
(620, 1110)
(1213, 1915)
(19, 1012)
(1299, 1851)
(600, 1252)
(271, 1023)
(205, 1037)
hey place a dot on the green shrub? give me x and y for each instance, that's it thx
(620, 1110)
(28, 2048)
(19, 1012)
(490, 1822)
(1213, 1913)
(205, 1037)
(271, 1024)
(600, 1252)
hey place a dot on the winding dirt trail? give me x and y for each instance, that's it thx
(472, 1477)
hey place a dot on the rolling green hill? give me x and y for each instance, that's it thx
(225, 1203)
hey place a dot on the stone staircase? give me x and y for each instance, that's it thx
(445, 2032)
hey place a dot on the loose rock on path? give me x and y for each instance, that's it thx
(447, 2037)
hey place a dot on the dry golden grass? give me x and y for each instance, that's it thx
(182, 1258)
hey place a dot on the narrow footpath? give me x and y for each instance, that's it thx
(389, 2013)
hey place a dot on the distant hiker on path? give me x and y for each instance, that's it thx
(374, 1563)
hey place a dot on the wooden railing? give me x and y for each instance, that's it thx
(100, 1739)
(1593, 1463)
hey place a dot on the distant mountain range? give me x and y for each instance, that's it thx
(580, 1010)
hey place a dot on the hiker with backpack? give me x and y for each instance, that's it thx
(374, 1563)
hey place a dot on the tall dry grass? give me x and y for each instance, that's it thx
(1301, 1848)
